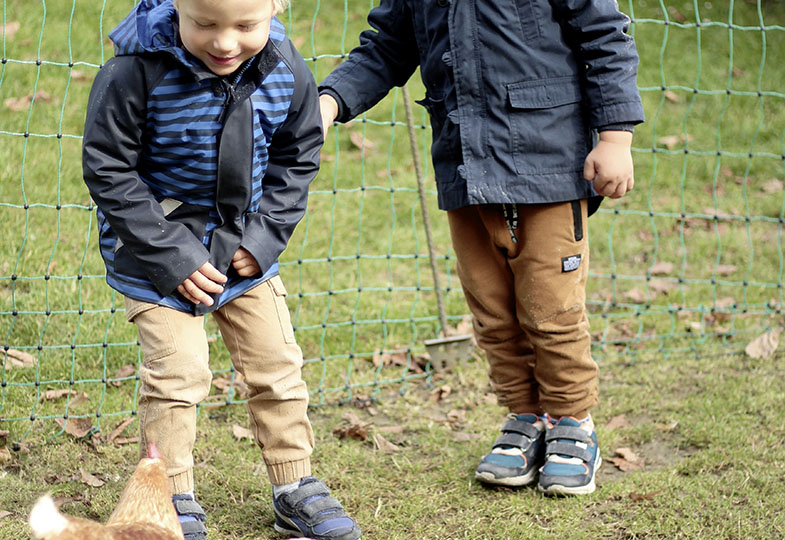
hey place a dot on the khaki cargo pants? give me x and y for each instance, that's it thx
(528, 302)
(175, 376)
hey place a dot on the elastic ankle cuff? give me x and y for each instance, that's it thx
(182, 482)
(291, 471)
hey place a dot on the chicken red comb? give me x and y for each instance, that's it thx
(152, 451)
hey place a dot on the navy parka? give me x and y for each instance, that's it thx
(186, 166)
(515, 89)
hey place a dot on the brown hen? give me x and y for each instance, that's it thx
(144, 512)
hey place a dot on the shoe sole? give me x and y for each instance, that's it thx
(556, 489)
(512, 481)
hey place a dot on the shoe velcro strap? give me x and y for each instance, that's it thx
(569, 449)
(566, 432)
(519, 426)
(515, 440)
(306, 491)
(189, 507)
(194, 528)
(325, 507)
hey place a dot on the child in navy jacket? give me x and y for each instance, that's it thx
(532, 105)
(201, 138)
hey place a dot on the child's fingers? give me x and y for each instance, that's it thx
(211, 273)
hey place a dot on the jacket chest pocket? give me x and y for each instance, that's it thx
(530, 29)
(549, 131)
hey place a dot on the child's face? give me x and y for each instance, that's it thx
(224, 33)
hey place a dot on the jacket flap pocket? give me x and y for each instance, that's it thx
(544, 93)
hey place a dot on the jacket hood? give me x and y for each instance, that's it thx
(152, 26)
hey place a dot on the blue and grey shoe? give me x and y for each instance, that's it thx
(516, 454)
(310, 511)
(191, 516)
(572, 457)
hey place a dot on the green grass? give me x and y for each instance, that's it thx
(708, 201)
(710, 437)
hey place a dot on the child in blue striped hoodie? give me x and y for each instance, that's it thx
(201, 138)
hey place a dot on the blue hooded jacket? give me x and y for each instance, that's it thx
(185, 166)
(514, 88)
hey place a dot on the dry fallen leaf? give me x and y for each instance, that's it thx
(626, 460)
(5, 455)
(636, 295)
(355, 428)
(672, 96)
(127, 370)
(10, 29)
(773, 186)
(241, 433)
(89, 479)
(764, 345)
(661, 268)
(617, 421)
(76, 427)
(361, 141)
(18, 359)
(22, 103)
(637, 497)
(725, 269)
(4, 514)
(384, 446)
(118, 430)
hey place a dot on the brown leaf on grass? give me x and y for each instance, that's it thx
(636, 296)
(670, 426)
(4, 433)
(637, 497)
(18, 359)
(764, 345)
(354, 428)
(456, 417)
(4, 514)
(626, 460)
(773, 186)
(361, 141)
(5, 455)
(52, 395)
(726, 302)
(385, 446)
(669, 141)
(460, 436)
(659, 286)
(617, 421)
(127, 370)
(89, 479)
(672, 96)
(118, 430)
(725, 269)
(76, 427)
(126, 440)
(440, 393)
(661, 268)
(77, 75)
(675, 15)
(10, 29)
(22, 103)
(386, 358)
(241, 433)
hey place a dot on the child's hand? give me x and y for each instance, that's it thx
(201, 283)
(609, 164)
(245, 264)
(329, 109)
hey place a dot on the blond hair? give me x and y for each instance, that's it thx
(280, 5)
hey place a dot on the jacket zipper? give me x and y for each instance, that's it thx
(229, 88)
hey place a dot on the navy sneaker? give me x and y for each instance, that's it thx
(310, 511)
(572, 458)
(191, 516)
(516, 454)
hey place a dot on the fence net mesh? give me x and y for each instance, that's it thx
(691, 262)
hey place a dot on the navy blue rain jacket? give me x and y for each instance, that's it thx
(186, 166)
(514, 88)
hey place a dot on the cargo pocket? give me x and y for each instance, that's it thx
(549, 131)
(284, 318)
(155, 333)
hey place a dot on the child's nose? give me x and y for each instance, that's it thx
(225, 42)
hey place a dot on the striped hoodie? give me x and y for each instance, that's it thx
(185, 166)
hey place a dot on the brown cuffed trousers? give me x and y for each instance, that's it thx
(528, 299)
(176, 376)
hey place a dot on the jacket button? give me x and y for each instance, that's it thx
(447, 58)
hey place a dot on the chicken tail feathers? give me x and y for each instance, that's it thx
(45, 519)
